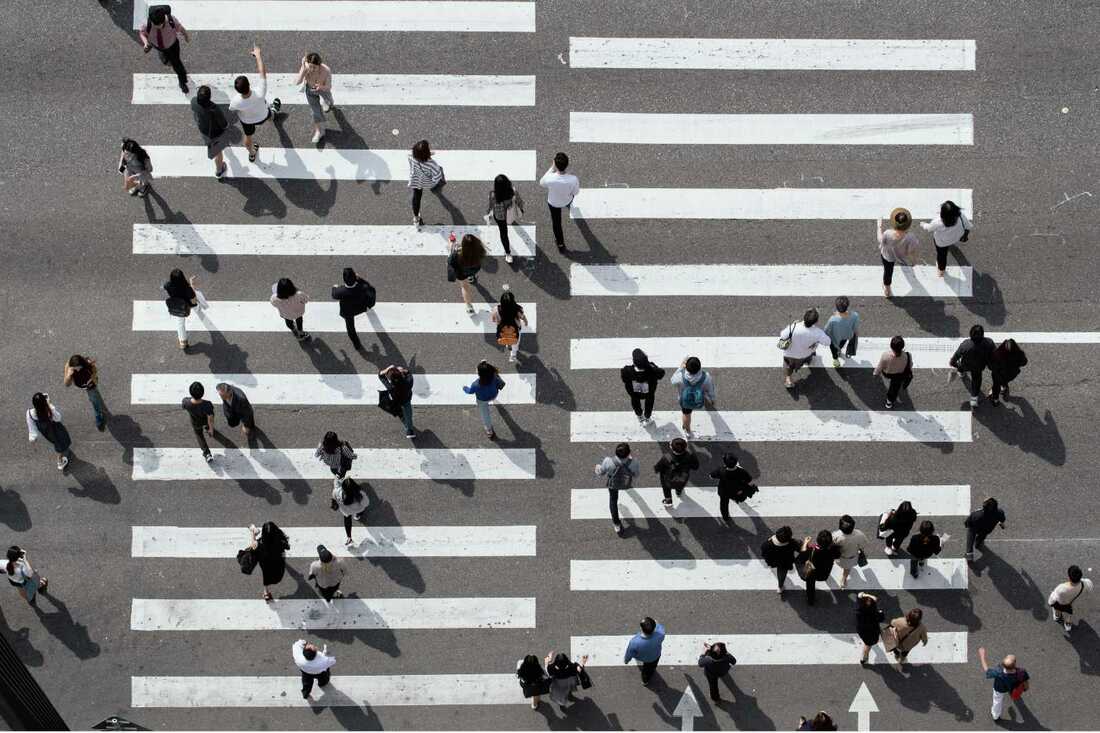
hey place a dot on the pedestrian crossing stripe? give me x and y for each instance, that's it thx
(757, 203)
(324, 389)
(709, 574)
(195, 691)
(773, 501)
(259, 316)
(430, 464)
(448, 90)
(303, 240)
(633, 128)
(776, 425)
(944, 647)
(779, 54)
(720, 352)
(369, 541)
(708, 280)
(289, 614)
(337, 164)
(467, 16)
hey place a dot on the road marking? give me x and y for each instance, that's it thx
(467, 16)
(305, 240)
(784, 54)
(944, 647)
(707, 574)
(774, 501)
(433, 464)
(195, 691)
(324, 389)
(749, 203)
(765, 280)
(634, 128)
(411, 541)
(259, 316)
(347, 164)
(776, 425)
(448, 90)
(285, 614)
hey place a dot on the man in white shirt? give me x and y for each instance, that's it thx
(313, 663)
(561, 188)
(804, 339)
(251, 104)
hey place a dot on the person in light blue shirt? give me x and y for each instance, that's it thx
(486, 388)
(645, 646)
(842, 328)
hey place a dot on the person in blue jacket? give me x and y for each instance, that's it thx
(645, 646)
(486, 388)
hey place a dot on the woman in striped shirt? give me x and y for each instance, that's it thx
(423, 173)
(501, 200)
(337, 455)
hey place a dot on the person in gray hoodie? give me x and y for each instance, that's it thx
(621, 469)
(695, 388)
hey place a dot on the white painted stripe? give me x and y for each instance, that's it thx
(944, 647)
(761, 129)
(766, 280)
(324, 317)
(433, 464)
(348, 164)
(810, 54)
(232, 614)
(775, 501)
(324, 389)
(331, 239)
(708, 575)
(754, 203)
(717, 352)
(449, 90)
(466, 16)
(411, 541)
(342, 691)
(776, 425)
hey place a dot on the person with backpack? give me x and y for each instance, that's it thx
(896, 245)
(896, 365)
(843, 331)
(1005, 364)
(337, 455)
(44, 421)
(951, 228)
(161, 31)
(971, 358)
(398, 382)
(980, 523)
(183, 295)
(640, 378)
(799, 342)
(464, 260)
(850, 546)
(212, 126)
(779, 551)
(81, 372)
(506, 207)
(290, 302)
(423, 173)
(485, 390)
(251, 104)
(621, 469)
(895, 525)
(923, 545)
(815, 562)
(716, 663)
(355, 296)
(510, 320)
(675, 469)
(1010, 680)
(351, 501)
(734, 482)
(136, 168)
(695, 388)
(1065, 594)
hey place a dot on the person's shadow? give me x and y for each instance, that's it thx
(13, 510)
(94, 482)
(920, 688)
(61, 625)
(351, 713)
(20, 641)
(401, 570)
(127, 432)
(121, 14)
(1016, 586)
(1024, 428)
(1086, 643)
(987, 301)
(305, 193)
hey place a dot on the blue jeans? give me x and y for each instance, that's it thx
(97, 404)
(486, 418)
(407, 416)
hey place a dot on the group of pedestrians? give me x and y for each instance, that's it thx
(555, 675)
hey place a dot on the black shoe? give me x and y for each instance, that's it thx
(184, 88)
(276, 105)
(101, 425)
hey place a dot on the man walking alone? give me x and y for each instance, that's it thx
(645, 646)
(561, 189)
(314, 664)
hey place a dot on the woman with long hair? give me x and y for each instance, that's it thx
(423, 173)
(506, 206)
(183, 295)
(951, 228)
(291, 304)
(136, 168)
(44, 421)
(510, 320)
(564, 676)
(337, 455)
(531, 677)
(351, 502)
(270, 543)
(316, 79)
(463, 263)
(485, 389)
(23, 576)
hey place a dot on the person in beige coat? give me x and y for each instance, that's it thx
(904, 633)
(291, 304)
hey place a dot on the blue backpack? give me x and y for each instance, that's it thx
(691, 396)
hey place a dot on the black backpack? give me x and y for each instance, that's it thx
(370, 296)
(155, 11)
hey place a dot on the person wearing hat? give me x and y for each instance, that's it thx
(895, 245)
(326, 572)
(640, 378)
(734, 483)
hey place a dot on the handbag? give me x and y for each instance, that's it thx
(247, 559)
(785, 341)
(861, 558)
(386, 403)
(452, 271)
(586, 681)
(178, 307)
(805, 568)
(508, 335)
(883, 530)
(530, 689)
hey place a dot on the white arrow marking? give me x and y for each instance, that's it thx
(687, 710)
(863, 705)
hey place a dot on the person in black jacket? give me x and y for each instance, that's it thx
(980, 523)
(778, 551)
(716, 663)
(895, 525)
(734, 483)
(971, 358)
(822, 554)
(675, 469)
(356, 296)
(1004, 366)
(923, 545)
(640, 379)
(398, 381)
(821, 721)
(868, 619)
(212, 126)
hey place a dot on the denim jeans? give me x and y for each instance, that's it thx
(486, 417)
(314, 100)
(407, 416)
(97, 404)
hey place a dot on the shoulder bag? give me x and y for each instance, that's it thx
(785, 341)
(247, 559)
(1068, 607)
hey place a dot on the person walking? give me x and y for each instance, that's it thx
(896, 245)
(269, 544)
(356, 296)
(291, 304)
(423, 173)
(313, 663)
(351, 501)
(463, 263)
(780, 552)
(842, 329)
(251, 104)
(136, 168)
(851, 547)
(327, 572)
(694, 388)
(645, 646)
(506, 208)
(1065, 594)
(923, 545)
(315, 78)
(675, 469)
(801, 340)
(161, 31)
(1009, 679)
(1005, 364)
(734, 482)
(868, 618)
(398, 382)
(716, 663)
(561, 189)
(980, 523)
(532, 679)
(564, 676)
(201, 413)
(81, 372)
(183, 295)
(212, 126)
(815, 562)
(510, 320)
(23, 576)
(640, 378)
(44, 421)
(894, 526)
(337, 455)
(621, 469)
(821, 721)
(904, 633)
(971, 358)
(237, 408)
(896, 365)
(948, 230)
(485, 389)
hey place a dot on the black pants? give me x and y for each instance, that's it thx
(781, 574)
(724, 507)
(636, 401)
(307, 681)
(836, 349)
(349, 323)
(328, 594)
(887, 271)
(555, 220)
(613, 505)
(811, 590)
(418, 196)
(648, 668)
(247, 418)
(974, 537)
(895, 540)
(975, 382)
(941, 257)
(897, 381)
(502, 225)
(712, 683)
(999, 384)
(914, 565)
(171, 55)
(347, 524)
(295, 326)
(200, 436)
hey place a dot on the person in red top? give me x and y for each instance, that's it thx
(161, 32)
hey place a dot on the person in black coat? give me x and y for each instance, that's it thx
(1004, 365)
(356, 296)
(895, 526)
(734, 483)
(675, 469)
(822, 554)
(640, 379)
(398, 382)
(212, 126)
(972, 357)
(269, 544)
(922, 546)
(868, 619)
(821, 721)
(981, 522)
(778, 551)
(716, 663)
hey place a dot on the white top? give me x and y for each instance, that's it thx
(560, 187)
(317, 665)
(804, 340)
(945, 236)
(20, 571)
(253, 108)
(32, 429)
(849, 544)
(1066, 592)
(349, 510)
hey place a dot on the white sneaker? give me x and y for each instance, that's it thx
(973, 401)
(325, 106)
(618, 528)
(1067, 626)
(511, 357)
(337, 482)
(62, 462)
(508, 258)
(688, 435)
(641, 420)
(317, 136)
(890, 551)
